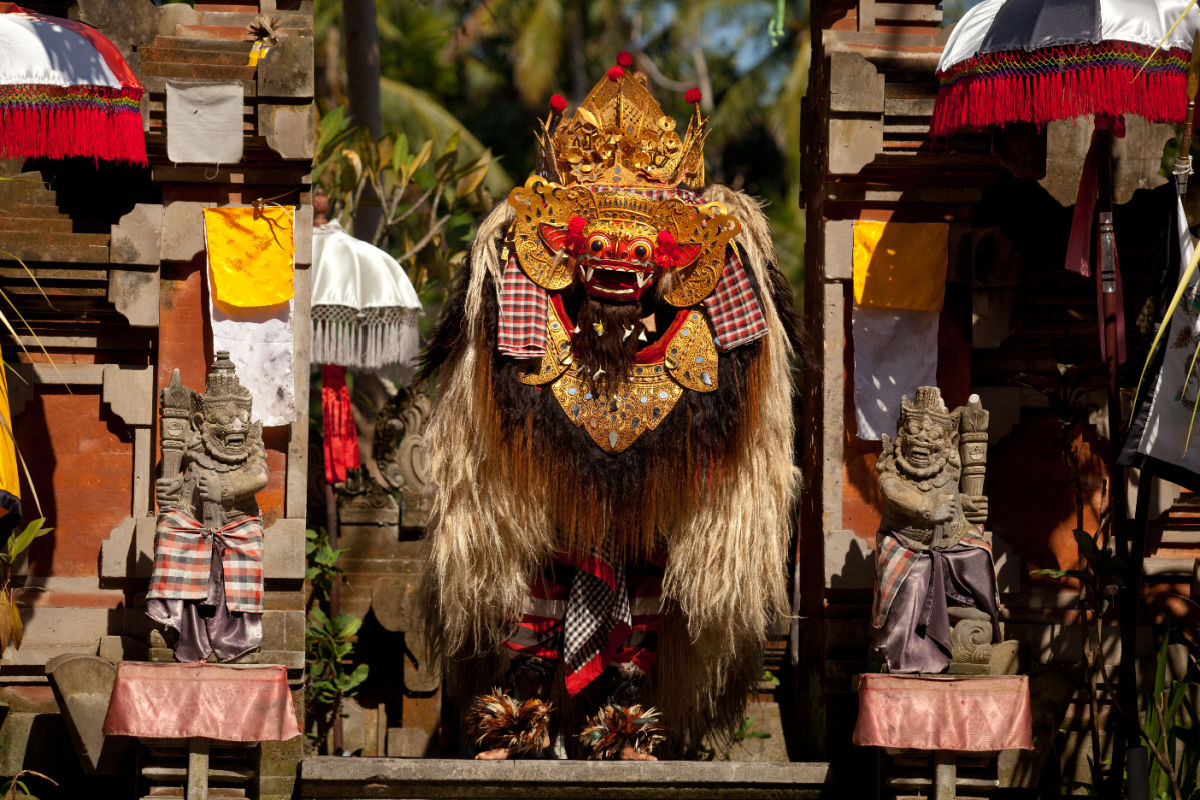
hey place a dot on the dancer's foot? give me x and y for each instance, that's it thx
(503, 753)
(499, 754)
(629, 754)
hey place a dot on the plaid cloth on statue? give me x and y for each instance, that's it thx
(183, 559)
(733, 309)
(893, 562)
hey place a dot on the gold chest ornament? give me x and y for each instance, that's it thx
(687, 360)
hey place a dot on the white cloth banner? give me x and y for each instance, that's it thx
(261, 343)
(204, 122)
(895, 351)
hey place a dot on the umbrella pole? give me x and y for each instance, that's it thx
(1125, 737)
(1130, 539)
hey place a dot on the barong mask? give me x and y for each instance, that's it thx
(611, 213)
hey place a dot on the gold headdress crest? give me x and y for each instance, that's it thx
(619, 136)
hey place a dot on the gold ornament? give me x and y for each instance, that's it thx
(640, 402)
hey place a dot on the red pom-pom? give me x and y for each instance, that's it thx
(615, 74)
(692, 96)
(624, 59)
(558, 103)
(667, 255)
(573, 242)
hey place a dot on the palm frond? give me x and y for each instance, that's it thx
(537, 52)
(416, 114)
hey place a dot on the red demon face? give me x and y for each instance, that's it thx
(616, 263)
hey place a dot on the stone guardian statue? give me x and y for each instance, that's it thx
(207, 579)
(935, 590)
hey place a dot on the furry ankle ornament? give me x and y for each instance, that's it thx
(498, 721)
(613, 728)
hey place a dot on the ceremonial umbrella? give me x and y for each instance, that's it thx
(65, 91)
(365, 313)
(1041, 60)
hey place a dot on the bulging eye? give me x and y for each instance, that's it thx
(598, 243)
(641, 251)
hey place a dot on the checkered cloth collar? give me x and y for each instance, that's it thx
(733, 309)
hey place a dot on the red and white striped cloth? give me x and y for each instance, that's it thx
(183, 549)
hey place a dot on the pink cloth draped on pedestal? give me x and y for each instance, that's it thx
(944, 712)
(213, 701)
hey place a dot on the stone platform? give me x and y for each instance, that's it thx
(462, 779)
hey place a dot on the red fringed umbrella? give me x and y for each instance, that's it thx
(1041, 60)
(65, 91)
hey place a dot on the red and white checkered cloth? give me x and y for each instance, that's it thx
(183, 549)
(732, 308)
(893, 562)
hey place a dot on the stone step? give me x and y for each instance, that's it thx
(68, 253)
(206, 44)
(158, 774)
(231, 33)
(42, 237)
(33, 210)
(208, 16)
(464, 779)
(217, 58)
(199, 72)
(59, 224)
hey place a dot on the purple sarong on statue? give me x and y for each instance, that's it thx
(914, 590)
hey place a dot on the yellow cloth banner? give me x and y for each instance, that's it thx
(10, 479)
(251, 253)
(900, 264)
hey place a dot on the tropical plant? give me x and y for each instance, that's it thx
(328, 642)
(11, 628)
(1170, 731)
(429, 199)
(322, 571)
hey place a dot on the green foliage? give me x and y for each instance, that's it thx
(1099, 574)
(11, 628)
(328, 643)
(429, 196)
(1170, 730)
(322, 571)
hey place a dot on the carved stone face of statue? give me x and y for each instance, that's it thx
(225, 428)
(927, 440)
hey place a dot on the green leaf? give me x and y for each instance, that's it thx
(347, 625)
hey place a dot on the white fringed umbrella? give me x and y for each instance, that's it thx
(364, 308)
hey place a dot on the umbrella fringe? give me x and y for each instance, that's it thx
(75, 121)
(366, 345)
(989, 89)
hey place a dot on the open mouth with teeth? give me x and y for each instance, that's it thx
(919, 455)
(618, 281)
(234, 440)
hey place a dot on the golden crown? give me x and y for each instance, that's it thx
(619, 136)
